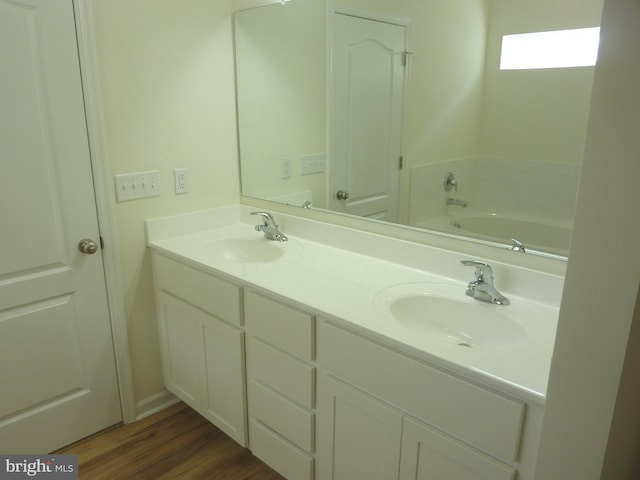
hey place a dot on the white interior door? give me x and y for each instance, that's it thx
(369, 69)
(57, 367)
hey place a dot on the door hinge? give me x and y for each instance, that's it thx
(101, 243)
(401, 163)
(406, 55)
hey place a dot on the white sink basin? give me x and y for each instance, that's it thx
(445, 313)
(246, 250)
(247, 246)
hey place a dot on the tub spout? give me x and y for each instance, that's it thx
(456, 202)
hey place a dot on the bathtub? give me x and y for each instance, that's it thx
(535, 233)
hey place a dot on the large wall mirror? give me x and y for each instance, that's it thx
(402, 111)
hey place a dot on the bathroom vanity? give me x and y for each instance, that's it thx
(294, 349)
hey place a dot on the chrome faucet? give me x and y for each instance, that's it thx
(482, 287)
(269, 227)
(517, 246)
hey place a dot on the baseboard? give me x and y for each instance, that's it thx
(155, 403)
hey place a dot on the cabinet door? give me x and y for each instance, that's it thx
(358, 436)
(224, 365)
(428, 454)
(182, 351)
(203, 364)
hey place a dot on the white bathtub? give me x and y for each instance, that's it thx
(535, 233)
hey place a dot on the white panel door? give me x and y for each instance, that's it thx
(369, 69)
(57, 368)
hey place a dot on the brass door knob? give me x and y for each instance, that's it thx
(342, 195)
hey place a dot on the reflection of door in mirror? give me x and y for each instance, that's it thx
(369, 73)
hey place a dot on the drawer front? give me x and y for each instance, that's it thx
(280, 371)
(483, 418)
(280, 325)
(293, 422)
(289, 461)
(217, 297)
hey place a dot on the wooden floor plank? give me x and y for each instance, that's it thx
(176, 443)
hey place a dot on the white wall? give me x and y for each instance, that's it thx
(166, 74)
(603, 274)
(281, 64)
(536, 114)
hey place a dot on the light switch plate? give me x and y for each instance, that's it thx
(133, 186)
(312, 163)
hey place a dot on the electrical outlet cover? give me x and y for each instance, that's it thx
(181, 178)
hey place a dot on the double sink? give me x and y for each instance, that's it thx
(438, 310)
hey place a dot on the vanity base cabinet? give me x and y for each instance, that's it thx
(202, 356)
(358, 436)
(315, 399)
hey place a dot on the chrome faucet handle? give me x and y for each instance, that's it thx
(450, 182)
(483, 273)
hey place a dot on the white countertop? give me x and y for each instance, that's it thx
(341, 285)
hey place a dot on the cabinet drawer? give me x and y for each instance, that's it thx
(280, 371)
(279, 454)
(217, 297)
(293, 422)
(481, 417)
(280, 325)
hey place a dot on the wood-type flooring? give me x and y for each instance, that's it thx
(176, 443)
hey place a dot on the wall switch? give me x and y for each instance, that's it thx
(312, 163)
(285, 168)
(133, 186)
(181, 178)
